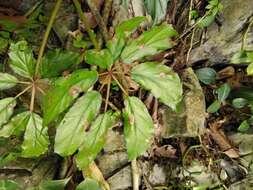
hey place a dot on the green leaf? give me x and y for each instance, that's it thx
(214, 107)
(223, 92)
(149, 43)
(138, 127)
(206, 75)
(240, 57)
(206, 21)
(7, 81)
(17, 125)
(89, 184)
(157, 9)
(57, 61)
(239, 102)
(6, 109)
(115, 46)
(160, 80)
(129, 26)
(101, 58)
(250, 69)
(8, 25)
(94, 140)
(70, 133)
(8, 185)
(244, 127)
(54, 184)
(22, 61)
(61, 95)
(35, 139)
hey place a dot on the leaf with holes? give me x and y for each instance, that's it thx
(94, 140)
(160, 80)
(149, 43)
(70, 133)
(138, 127)
(6, 109)
(16, 125)
(65, 91)
(57, 61)
(35, 139)
(22, 61)
(7, 81)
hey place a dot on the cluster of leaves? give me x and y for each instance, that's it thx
(213, 8)
(73, 108)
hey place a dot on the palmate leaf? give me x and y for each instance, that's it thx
(17, 125)
(22, 61)
(138, 127)
(70, 133)
(35, 139)
(57, 61)
(94, 140)
(160, 80)
(6, 109)
(7, 81)
(149, 43)
(65, 91)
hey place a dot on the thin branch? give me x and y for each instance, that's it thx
(99, 19)
(120, 86)
(45, 38)
(86, 24)
(32, 97)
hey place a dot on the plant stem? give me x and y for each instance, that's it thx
(32, 98)
(120, 86)
(135, 174)
(86, 24)
(99, 19)
(45, 38)
(107, 93)
(106, 10)
(24, 91)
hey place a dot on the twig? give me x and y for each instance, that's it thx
(135, 174)
(98, 18)
(191, 44)
(30, 11)
(86, 24)
(45, 38)
(120, 86)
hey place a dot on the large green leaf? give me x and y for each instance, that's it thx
(7, 81)
(89, 184)
(101, 58)
(22, 61)
(35, 139)
(8, 185)
(63, 93)
(115, 46)
(156, 9)
(17, 125)
(6, 109)
(54, 184)
(160, 80)
(138, 127)
(71, 131)
(94, 140)
(57, 61)
(149, 43)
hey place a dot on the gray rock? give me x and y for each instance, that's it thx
(122, 180)
(114, 142)
(190, 120)
(223, 42)
(157, 176)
